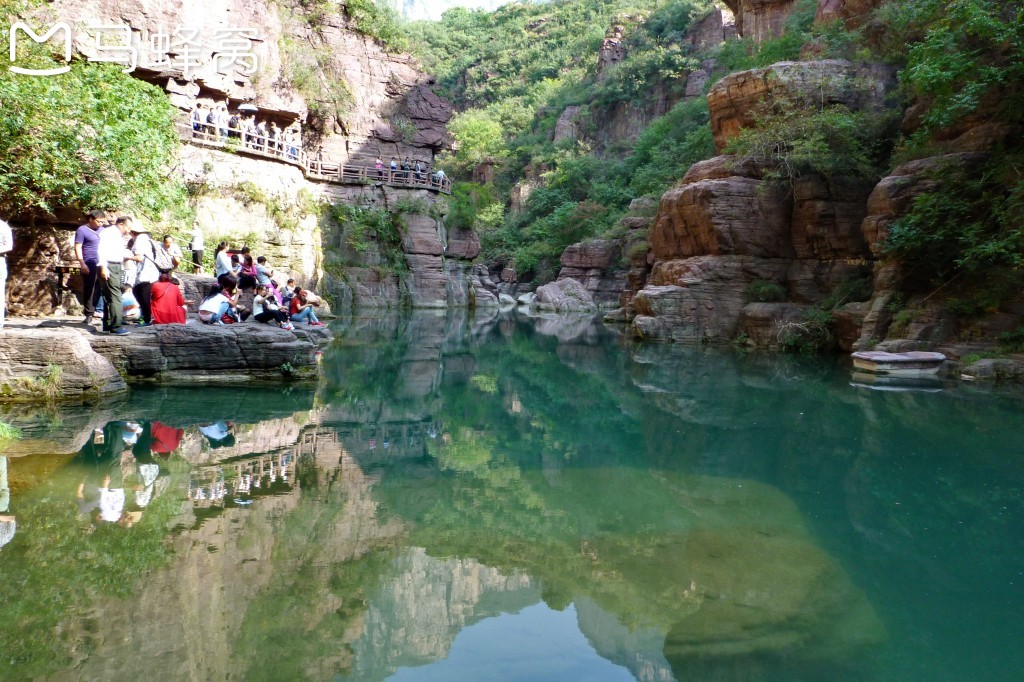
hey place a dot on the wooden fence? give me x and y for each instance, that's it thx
(314, 168)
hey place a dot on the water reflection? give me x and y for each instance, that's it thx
(456, 484)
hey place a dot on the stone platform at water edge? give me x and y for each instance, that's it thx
(911, 364)
(63, 360)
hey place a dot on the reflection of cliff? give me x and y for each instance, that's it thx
(189, 620)
(639, 650)
(414, 617)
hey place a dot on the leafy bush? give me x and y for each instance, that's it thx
(1012, 342)
(795, 136)
(960, 55)
(379, 20)
(75, 140)
(970, 227)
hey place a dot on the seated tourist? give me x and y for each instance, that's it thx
(265, 308)
(302, 309)
(288, 293)
(130, 305)
(247, 275)
(168, 305)
(221, 306)
(265, 276)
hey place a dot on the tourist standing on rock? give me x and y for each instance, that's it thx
(87, 239)
(6, 246)
(221, 260)
(144, 253)
(110, 255)
(197, 246)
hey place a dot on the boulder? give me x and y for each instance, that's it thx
(716, 211)
(568, 126)
(995, 369)
(564, 295)
(526, 299)
(700, 298)
(506, 300)
(596, 253)
(43, 363)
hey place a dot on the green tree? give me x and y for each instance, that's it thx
(90, 137)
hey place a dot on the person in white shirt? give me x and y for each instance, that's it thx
(144, 252)
(197, 246)
(111, 254)
(222, 260)
(6, 246)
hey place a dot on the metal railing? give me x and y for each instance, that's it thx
(314, 168)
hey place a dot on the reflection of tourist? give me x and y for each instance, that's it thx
(8, 524)
(109, 499)
(219, 434)
(164, 439)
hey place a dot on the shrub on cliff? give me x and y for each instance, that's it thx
(91, 137)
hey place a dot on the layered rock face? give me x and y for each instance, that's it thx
(760, 19)
(388, 91)
(726, 242)
(850, 12)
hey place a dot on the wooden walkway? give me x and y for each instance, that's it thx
(317, 169)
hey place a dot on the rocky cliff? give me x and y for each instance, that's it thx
(352, 99)
(736, 254)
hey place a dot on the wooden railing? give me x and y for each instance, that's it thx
(315, 168)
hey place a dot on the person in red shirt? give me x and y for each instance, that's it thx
(167, 301)
(302, 310)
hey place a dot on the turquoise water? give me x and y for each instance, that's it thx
(502, 498)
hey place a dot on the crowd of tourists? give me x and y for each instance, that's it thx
(129, 277)
(215, 121)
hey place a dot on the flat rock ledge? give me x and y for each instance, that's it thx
(46, 363)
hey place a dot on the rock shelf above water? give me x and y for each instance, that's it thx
(73, 363)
